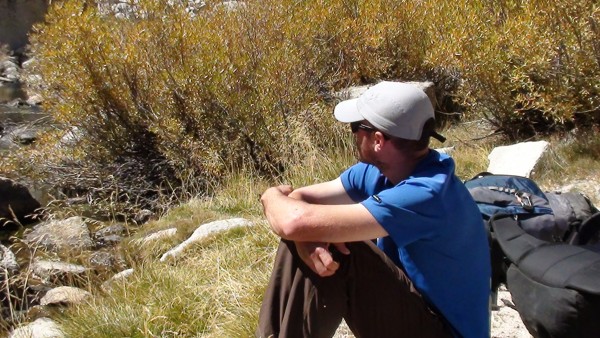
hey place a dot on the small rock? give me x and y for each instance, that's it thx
(143, 216)
(71, 234)
(27, 64)
(446, 150)
(106, 286)
(104, 260)
(72, 137)
(64, 295)
(204, 231)
(123, 274)
(40, 328)
(110, 236)
(158, 235)
(10, 70)
(35, 100)
(114, 229)
(26, 137)
(355, 91)
(110, 240)
(8, 261)
(50, 269)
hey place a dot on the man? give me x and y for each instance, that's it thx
(429, 273)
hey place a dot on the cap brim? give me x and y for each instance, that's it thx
(347, 111)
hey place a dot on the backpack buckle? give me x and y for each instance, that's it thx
(525, 200)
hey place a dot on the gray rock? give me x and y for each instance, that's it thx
(71, 234)
(25, 135)
(48, 270)
(231, 5)
(113, 229)
(8, 261)
(123, 274)
(72, 137)
(64, 295)
(143, 216)
(204, 231)
(40, 328)
(29, 63)
(517, 159)
(446, 150)
(7, 143)
(35, 100)
(107, 285)
(351, 92)
(166, 233)
(110, 240)
(110, 235)
(16, 200)
(9, 70)
(105, 260)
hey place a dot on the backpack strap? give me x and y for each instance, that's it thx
(554, 264)
(587, 231)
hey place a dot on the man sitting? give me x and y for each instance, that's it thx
(428, 275)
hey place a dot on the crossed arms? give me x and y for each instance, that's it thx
(315, 217)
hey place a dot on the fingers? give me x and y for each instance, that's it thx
(324, 265)
(318, 258)
(285, 189)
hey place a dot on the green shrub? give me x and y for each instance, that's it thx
(168, 98)
(528, 66)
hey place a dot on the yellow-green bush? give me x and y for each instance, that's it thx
(183, 95)
(527, 66)
(225, 89)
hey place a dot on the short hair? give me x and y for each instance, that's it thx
(415, 145)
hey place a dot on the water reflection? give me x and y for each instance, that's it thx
(10, 91)
(20, 114)
(20, 125)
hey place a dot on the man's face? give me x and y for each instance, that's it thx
(363, 135)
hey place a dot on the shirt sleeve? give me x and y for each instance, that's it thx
(360, 181)
(409, 211)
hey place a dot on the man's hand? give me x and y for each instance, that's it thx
(280, 189)
(317, 257)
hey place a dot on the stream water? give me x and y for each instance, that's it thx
(20, 124)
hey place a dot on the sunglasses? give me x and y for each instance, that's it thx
(355, 126)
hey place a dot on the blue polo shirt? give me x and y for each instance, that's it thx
(436, 232)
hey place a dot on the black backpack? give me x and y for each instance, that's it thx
(555, 286)
(548, 216)
(545, 246)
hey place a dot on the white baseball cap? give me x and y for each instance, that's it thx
(394, 108)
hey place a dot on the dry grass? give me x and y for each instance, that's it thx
(211, 291)
(215, 288)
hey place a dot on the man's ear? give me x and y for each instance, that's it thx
(380, 140)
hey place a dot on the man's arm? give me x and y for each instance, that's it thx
(297, 216)
(331, 192)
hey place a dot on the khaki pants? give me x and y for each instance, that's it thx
(369, 291)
